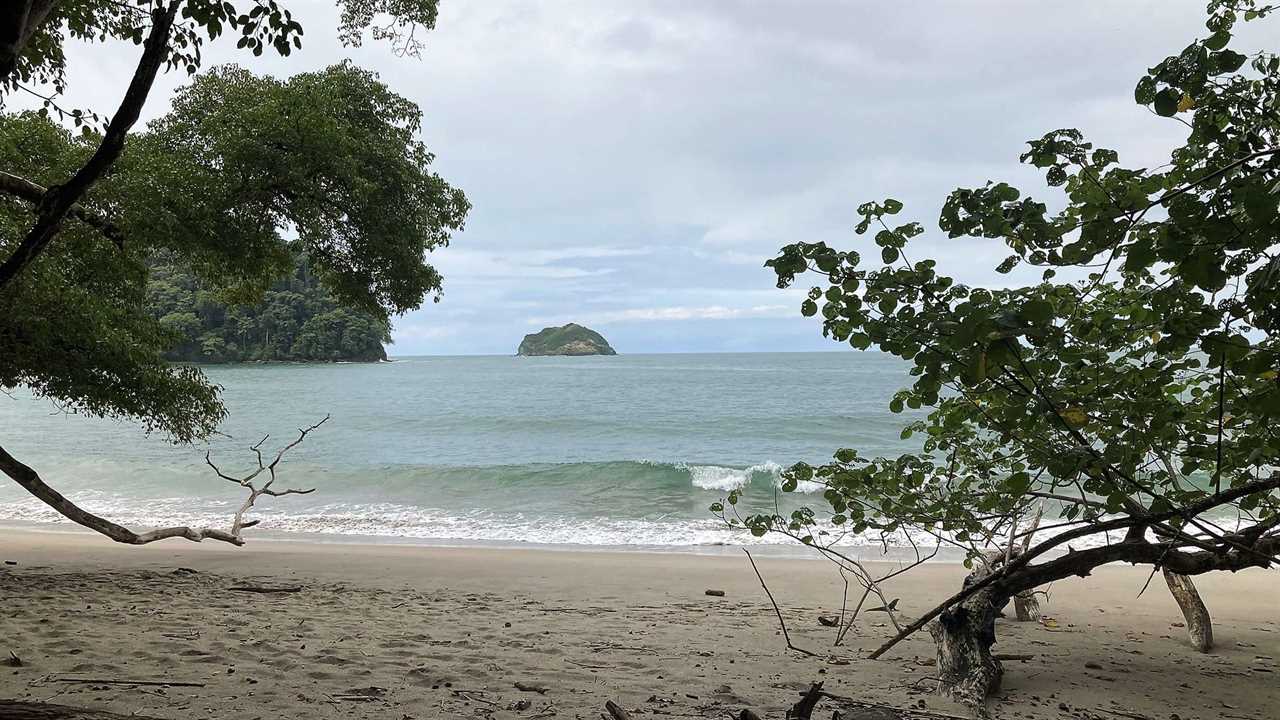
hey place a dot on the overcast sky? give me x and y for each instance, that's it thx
(632, 164)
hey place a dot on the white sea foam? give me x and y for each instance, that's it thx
(405, 522)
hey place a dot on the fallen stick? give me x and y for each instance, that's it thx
(804, 709)
(264, 590)
(904, 712)
(14, 710)
(111, 681)
(785, 635)
(616, 711)
(1014, 656)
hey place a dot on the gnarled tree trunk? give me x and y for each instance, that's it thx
(1199, 625)
(964, 634)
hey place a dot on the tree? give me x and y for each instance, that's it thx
(242, 175)
(1138, 396)
(296, 319)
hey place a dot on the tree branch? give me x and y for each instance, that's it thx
(25, 189)
(31, 481)
(18, 22)
(58, 200)
(1270, 546)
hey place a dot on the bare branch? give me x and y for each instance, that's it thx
(30, 480)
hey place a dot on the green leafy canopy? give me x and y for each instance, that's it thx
(1149, 384)
(243, 175)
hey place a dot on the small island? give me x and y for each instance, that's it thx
(571, 339)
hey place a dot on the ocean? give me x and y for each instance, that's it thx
(625, 451)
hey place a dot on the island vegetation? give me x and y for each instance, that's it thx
(570, 339)
(296, 319)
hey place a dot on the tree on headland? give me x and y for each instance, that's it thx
(1136, 397)
(241, 177)
(297, 319)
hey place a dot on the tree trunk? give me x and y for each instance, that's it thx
(967, 671)
(1026, 606)
(1199, 625)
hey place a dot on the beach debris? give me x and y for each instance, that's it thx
(523, 686)
(1014, 657)
(52, 711)
(829, 620)
(616, 711)
(520, 705)
(185, 571)
(10, 562)
(1091, 665)
(121, 681)
(264, 589)
(363, 694)
(748, 714)
(803, 709)
(13, 660)
(714, 593)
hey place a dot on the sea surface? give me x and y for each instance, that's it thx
(626, 450)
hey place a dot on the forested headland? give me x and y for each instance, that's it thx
(296, 319)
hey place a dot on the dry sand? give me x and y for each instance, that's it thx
(396, 632)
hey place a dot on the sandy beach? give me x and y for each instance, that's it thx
(383, 631)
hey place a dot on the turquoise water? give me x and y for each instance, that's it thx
(625, 450)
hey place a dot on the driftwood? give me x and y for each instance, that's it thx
(14, 710)
(264, 590)
(1199, 625)
(119, 681)
(31, 481)
(616, 711)
(803, 709)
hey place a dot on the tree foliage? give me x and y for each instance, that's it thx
(36, 31)
(244, 174)
(1138, 394)
(296, 319)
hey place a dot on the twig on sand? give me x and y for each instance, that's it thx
(264, 590)
(473, 695)
(804, 709)
(118, 681)
(785, 635)
(902, 712)
(523, 686)
(616, 711)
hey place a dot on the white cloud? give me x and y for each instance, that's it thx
(658, 314)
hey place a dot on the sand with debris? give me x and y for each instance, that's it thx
(384, 631)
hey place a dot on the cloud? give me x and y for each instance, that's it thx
(664, 314)
(635, 162)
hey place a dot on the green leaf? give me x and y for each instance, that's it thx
(1166, 102)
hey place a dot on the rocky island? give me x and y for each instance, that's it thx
(571, 339)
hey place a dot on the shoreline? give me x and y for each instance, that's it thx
(409, 626)
(781, 550)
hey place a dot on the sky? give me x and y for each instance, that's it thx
(633, 163)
